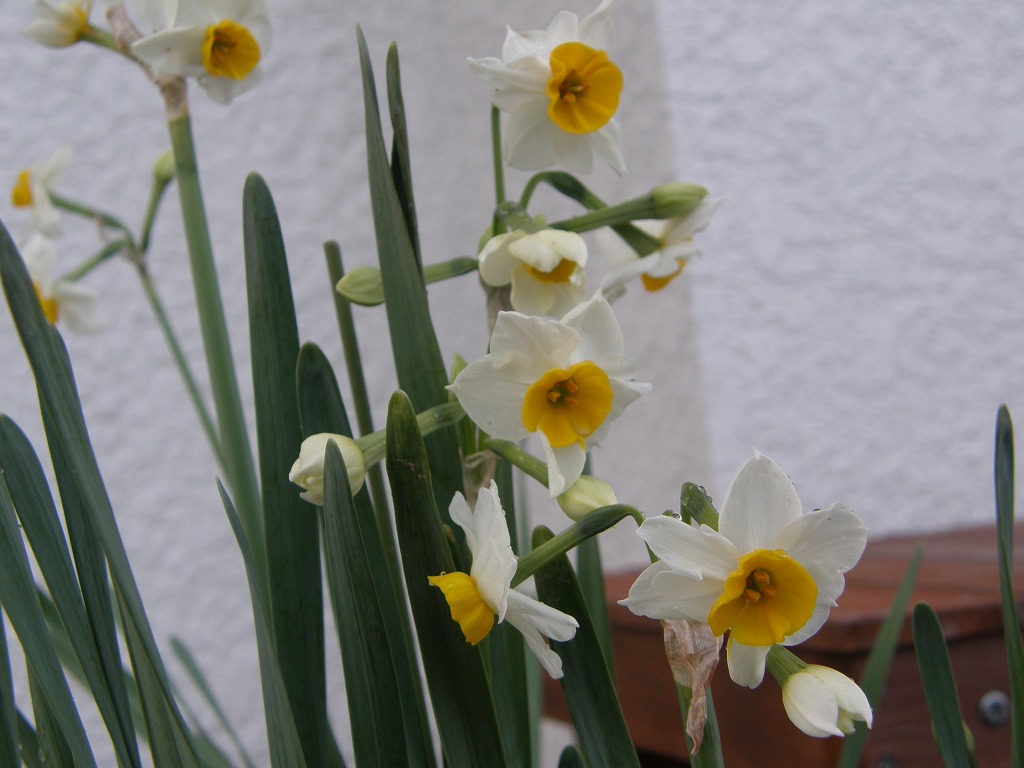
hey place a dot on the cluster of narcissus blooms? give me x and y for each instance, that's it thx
(74, 305)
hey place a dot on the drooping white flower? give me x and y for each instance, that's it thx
(567, 380)
(545, 269)
(768, 575)
(824, 702)
(59, 24)
(73, 305)
(676, 248)
(218, 42)
(485, 593)
(562, 91)
(32, 190)
(308, 470)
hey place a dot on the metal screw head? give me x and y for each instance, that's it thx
(994, 709)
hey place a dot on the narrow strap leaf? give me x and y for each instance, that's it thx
(292, 537)
(455, 673)
(586, 683)
(8, 712)
(939, 689)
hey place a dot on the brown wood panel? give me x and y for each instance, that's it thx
(958, 577)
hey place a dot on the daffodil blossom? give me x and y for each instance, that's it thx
(308, 470)
(567, 380)
(73, 305)
(32, 190)
(676, 247)
(562, 91)
(545, 269)
(219, 42)
(768, 575)
(824, 702)
(59, 24)
(485, 593)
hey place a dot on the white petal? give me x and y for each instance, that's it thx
(811, 706)
(746, 663)
(487, 535)
(532, 618)
(832, 538)
(530, 295)
(530, 137)
(604, 143)
(492, 400)
(224, 89)
(597, 29)
(683, 228)
(496, 261)
(171, 53)
(760, 502)
(77, 306)
(563, 28)
(40, 254)
(524, 348)
(661, 593)
(573, 151)
(565, 465)
(695, 552)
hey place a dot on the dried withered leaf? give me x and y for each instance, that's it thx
(692, 650)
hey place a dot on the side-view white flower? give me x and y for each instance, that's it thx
(485, 593)
(768, 575)
(308, 470)
(824, 702)
(219, 42)
(32, 190)
(59, 24)
(545, 269)
(73, 305)
(660, 268)
(567, 380)
(562, 91)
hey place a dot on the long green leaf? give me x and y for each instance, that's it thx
(1011, 620)
(586, 683)
(54, 748)
(375, 711)
(455, 673)
(401, 166)
(18, 598)
(939, 689)
(282, 735)
(571, 758)
(879, 662)
(68, 438)
(38, 515)
(28, 743)
(322, 410)
(8, 712)
(292, 539)
(421, 371)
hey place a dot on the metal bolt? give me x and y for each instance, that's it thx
(994, 709)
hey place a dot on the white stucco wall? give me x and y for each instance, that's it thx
(855, 314)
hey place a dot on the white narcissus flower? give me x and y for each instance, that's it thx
(32, 190)
(823, 702)
(676, 247)
(59, 24)
(485, 593)
(567, 380)
(219, 42)
(308, 470)
(562, 91)
(71, 304)
(768, 575)
(545, 269)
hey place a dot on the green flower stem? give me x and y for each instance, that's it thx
(513, 454)
(183, 368)
(565, 183)
(599, 520)
(354, 367)
(87, 266)
(234, 438)
(643, 207)
(428, 421)
(88, 212)
(365, 287)
(156, 195)
(783, 663)
(99, 37)
(499, 169)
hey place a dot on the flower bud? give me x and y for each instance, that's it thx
(363, 286)
(676, 199)
(585, 495)
(163, 168)
(823, 702)
(308, 469)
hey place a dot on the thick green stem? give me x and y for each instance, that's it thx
(234, 438)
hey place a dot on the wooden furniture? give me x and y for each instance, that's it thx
(958, 578)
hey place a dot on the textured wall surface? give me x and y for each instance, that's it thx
(855, 314)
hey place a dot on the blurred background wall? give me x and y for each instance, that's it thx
(855, 314)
